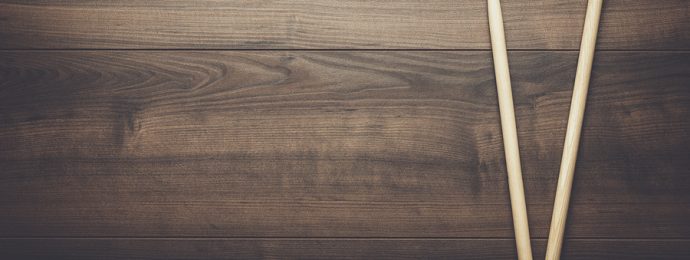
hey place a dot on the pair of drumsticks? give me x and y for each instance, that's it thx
(572, 136)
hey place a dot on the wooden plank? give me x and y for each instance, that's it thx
(340, 24)
(333, 144)
(156, 248)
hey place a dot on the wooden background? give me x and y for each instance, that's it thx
(333, 129)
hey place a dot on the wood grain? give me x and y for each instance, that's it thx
(572, 134)
(329, 24)
(332, 249)
(333, 144)
(511, 147)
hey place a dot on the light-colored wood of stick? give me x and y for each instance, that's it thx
(572, 136)
(510, 141)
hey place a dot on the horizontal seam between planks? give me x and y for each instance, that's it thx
(335, 50)
(325, 238)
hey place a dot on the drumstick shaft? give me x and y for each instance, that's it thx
(510, 141)
(572, 136)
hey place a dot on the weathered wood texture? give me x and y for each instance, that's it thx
(332, 249)
(333, 144)
(325, 24)
(140, 134)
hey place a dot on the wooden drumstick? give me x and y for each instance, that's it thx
(572, 136)
(510, 141)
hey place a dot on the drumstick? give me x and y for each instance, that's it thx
(572, 136)
(510, 141)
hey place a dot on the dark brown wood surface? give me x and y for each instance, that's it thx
(393, 249)
(345, 130)
(342, 24)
